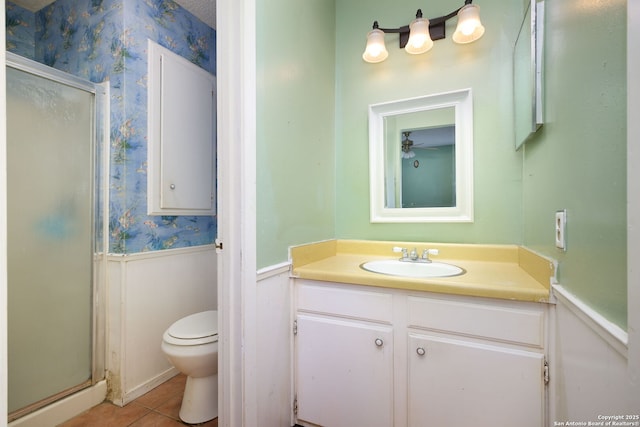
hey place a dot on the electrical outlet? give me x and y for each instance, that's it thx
(561, 229)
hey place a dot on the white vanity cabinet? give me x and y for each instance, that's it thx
(458, 382)
(475, 363)
(344, 357)
(345, 372)
(442, 360)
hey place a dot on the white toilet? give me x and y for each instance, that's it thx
(191, 345)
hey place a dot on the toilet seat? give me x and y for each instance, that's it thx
(195, 329)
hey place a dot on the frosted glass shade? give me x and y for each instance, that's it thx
(469, 27)
(419, 37)
(376, 51)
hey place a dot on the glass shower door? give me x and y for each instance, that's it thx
(50, 157)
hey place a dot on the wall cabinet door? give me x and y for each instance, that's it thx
(456, 382)
(182, 135)
(344, 372)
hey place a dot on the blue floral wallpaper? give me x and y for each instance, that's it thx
(20, 30)
(102, 40)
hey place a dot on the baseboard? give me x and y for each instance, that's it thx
(135, 393)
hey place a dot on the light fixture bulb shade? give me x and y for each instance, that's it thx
(376, 51)
(469, 27)
(419, 37)
(408, 155)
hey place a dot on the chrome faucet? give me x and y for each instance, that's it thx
(413, 255)
(427, 252)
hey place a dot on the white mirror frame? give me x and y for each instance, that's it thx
(462, 102)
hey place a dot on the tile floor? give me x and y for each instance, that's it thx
(157, 408)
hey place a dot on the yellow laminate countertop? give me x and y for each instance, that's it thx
(495, 271)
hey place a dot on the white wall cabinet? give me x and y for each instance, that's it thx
(445, 360)
(182, 131)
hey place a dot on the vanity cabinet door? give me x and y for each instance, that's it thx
(457, 382)
(344, 372)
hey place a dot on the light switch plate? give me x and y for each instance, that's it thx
(561, 229)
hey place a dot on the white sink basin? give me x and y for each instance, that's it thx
(394, 267)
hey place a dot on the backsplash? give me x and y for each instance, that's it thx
(102, 40)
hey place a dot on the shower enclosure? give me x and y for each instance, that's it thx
(55, 125)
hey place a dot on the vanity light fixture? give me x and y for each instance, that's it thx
(418, 36)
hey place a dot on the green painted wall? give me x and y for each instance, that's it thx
(483, 66)
(295, 125)
(578, 160)
(313, 145)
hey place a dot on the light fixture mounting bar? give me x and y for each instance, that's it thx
(417, 37)
(402, 31)
(436, 26)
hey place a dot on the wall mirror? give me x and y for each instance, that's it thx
(527, 73)
(421, 159)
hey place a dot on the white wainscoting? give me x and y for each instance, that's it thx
(589, 370)
(146, 293)
(274, 320)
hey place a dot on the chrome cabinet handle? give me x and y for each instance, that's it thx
(379, 342)
(420, 351)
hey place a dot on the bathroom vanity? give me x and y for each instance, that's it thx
(381, 350)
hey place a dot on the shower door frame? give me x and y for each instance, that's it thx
(99, 202)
